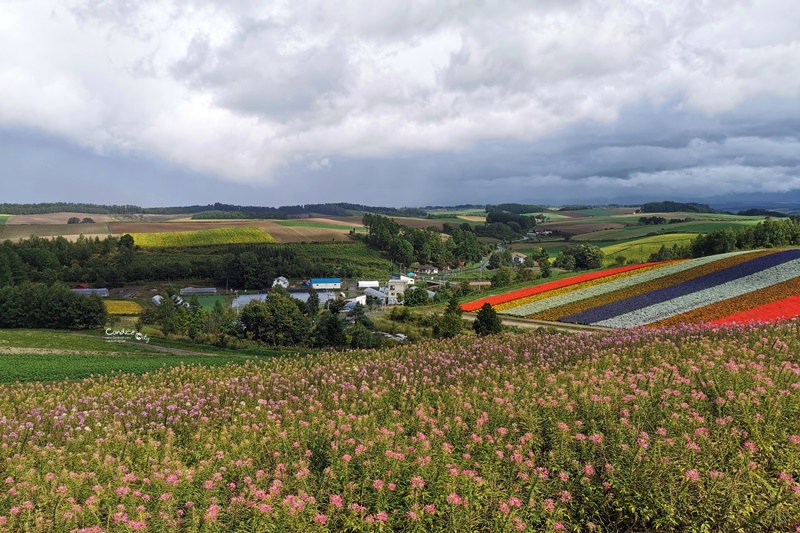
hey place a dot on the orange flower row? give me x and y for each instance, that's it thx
(734, 306)
(530, 291)
(590, 303)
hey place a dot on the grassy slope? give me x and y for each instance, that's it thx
(42, 362)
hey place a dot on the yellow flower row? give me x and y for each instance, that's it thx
(635, 290)
(118, 307)
(571, 288)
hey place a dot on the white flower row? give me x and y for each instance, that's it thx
(689, 302)
(615, 285)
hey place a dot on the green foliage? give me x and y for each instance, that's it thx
(487, 322)
(275, 322)
(329, 331)
(55, 307)
(674, 207)
(415, 297)
(502, 278)
(584, 257)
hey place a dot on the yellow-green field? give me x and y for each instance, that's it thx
(3, 219)
(240, 235)
(122, 307)
(640, 249)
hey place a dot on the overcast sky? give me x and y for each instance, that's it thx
(396, 102)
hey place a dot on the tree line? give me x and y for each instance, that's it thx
(114, 261)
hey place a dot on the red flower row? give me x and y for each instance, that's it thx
(530, 291)
(780, 310)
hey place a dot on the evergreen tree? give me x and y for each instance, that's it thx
(487, 322)
(312, 304)
(330, 331)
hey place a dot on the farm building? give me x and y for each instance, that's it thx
(428, 269)
(379, 294)
(89, 292)
(369, 284)
(187, 291)
(326, 283)
(157, 299)
(519, 258)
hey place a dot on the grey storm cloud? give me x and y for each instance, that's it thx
(458, 101)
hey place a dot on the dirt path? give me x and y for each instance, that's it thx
(153, 347)
(527, 323)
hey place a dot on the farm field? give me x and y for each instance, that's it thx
(689, 291)
(4, 219)
(440, 436)
(240, 235)
(640, 249)
(122, 307)
(207, 301)
(309, 223)
(53, 219)
(24, 231)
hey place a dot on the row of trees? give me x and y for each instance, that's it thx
(114, 261)
(767, 234)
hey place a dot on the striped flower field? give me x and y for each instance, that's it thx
(738, 287)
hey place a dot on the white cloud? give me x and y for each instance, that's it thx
(243, 88)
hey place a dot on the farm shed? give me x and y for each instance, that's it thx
(89, 292)
(198, 290)
(326, 283)
(369, 284)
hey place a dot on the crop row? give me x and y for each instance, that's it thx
(678, 273)
(715, 288)
(607, 285)
(723, 311)
(537, 289)
(770, 312)
(531, 304)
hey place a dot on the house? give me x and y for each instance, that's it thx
(326, 283)
(518, 258)
(428, 269)
(396, 288)
(369, 284)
